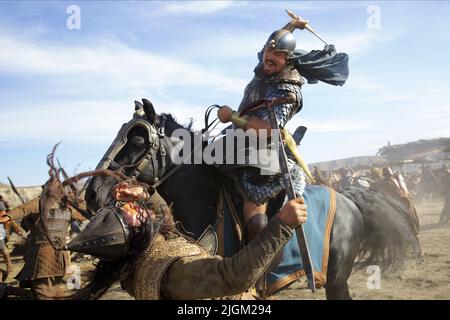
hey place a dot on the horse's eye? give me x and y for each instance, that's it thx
(137, 141)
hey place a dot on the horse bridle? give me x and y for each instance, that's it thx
(151, 157)
(155, 137)
(156, 146)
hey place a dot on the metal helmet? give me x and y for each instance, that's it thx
(107, 236)
(282, 40)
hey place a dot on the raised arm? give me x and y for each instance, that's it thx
(30, 207)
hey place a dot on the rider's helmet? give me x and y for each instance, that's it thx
(282, 41)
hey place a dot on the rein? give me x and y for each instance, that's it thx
(157, 147)
(206, 129)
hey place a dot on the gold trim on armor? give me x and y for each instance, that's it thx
(151, 267)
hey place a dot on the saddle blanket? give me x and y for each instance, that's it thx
(321, 203)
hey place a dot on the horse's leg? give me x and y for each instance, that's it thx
(346, 237)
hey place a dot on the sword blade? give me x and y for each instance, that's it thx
(307, 27)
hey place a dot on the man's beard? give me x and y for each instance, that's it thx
(268, 69)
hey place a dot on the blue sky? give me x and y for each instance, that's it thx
(78, 86)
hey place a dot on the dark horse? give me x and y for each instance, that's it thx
(366, 225)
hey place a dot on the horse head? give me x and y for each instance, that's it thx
(139, 151)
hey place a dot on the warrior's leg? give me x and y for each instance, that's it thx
(5, 253)
(443, 219)
(255, 218)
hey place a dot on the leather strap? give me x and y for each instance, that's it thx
(268, 103)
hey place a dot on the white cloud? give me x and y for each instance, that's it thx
(83, 121)
(109, 63)
(89, 122)
(358, 44)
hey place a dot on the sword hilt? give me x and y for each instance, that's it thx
(306, 24)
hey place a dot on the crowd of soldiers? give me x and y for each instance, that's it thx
(416, 186)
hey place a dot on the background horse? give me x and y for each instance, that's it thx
(365, 223)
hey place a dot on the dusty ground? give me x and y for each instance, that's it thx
(430, 280)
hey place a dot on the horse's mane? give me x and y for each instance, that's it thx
(172, 123)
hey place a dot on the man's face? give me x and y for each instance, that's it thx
(274, 61)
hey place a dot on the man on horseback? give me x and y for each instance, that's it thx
(278, 77)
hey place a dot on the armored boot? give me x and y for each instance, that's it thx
(254, 225)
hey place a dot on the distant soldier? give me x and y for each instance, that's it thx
(318, 176)
(346, 178)
(3, 248)
(394, 186)
(429, 183)
(445, 214)
(49, 217)
(443, 176)
(44, 265)
(11, 225)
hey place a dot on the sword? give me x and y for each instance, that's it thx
(15, 190)
(287, 180)
(307, 26)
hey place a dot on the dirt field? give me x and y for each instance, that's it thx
(430, 280)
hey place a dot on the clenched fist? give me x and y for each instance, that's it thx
(299, 22)
(293, 213)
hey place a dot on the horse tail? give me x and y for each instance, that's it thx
(388, 239)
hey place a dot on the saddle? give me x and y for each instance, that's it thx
(213, 239)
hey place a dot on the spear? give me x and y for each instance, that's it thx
(15, 190)
(306, 26)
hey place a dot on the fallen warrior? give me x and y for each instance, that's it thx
(138, 244)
